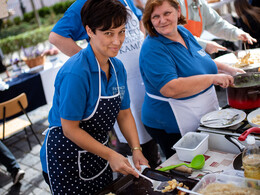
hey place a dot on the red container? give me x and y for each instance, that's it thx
(246, 92)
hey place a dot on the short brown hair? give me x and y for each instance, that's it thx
(104, 14)
(148, 10)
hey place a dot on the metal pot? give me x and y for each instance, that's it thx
(245, 94)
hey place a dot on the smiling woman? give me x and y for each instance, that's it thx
(179, 76)
(75, 155)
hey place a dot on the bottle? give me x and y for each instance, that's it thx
(251, 159)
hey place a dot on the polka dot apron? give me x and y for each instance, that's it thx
(73, 170)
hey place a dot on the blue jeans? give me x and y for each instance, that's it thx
(7, 158)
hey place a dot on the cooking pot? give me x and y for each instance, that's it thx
(245, 94)
(237, 162)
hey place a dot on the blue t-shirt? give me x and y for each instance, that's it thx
(70, 24)
(162, 60)
(77, 89)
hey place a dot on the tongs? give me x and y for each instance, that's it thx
(158, 185)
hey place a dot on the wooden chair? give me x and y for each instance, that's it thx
(10, 108)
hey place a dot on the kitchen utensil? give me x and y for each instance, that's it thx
(197, 163)
(227, 121)
(245, 94)
(160, 185)
(228, 117)
(231, 51)
(245, 48)
(244, 135)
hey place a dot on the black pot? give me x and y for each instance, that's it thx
(245, 94)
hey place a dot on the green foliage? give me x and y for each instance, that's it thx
(68, 4)
(8, 23)
(27, 17)
(17, 20)
(44, 12)
(27, 39)
(17, 29)
(61, 7)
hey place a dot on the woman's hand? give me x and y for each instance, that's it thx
(213, 47)
(246, 38)
(139, 159)
(120, 164)
(224, 68)
(234, 71)
(223, 80)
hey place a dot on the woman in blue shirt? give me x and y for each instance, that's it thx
(90, 93)
(178, 75)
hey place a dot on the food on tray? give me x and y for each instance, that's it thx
(220, 188)
(172, 185)
(256, 120)
(246, 60)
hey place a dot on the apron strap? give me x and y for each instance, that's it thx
(158, 97)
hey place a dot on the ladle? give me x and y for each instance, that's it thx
(197, 163)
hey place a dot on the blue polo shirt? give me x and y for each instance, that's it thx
(77, 85)
(70, 24)
(77, 89)
(162, 60)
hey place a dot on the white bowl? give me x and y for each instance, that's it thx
(252, 115)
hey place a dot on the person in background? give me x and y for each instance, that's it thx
(249, 19)
(200, 16)
(179, 76)
(90, 94)
(9, 161)
(69, 29)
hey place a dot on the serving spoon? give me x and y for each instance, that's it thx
(197, 163)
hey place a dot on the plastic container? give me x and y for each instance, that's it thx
(241, 182)
(251, 159)
(190, 145)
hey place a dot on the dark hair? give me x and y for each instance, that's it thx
(104, 14)
(148, 10)
(244, 9)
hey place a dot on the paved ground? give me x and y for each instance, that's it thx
(29, 161)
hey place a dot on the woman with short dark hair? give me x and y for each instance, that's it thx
(90, 93)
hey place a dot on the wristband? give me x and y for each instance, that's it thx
(136, 148)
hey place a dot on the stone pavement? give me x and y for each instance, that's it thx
(29, 160)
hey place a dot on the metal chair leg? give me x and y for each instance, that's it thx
(27, 137)
(35, 135)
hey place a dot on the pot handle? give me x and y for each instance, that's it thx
(235, 142)
(253, 92)
(244, 135)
